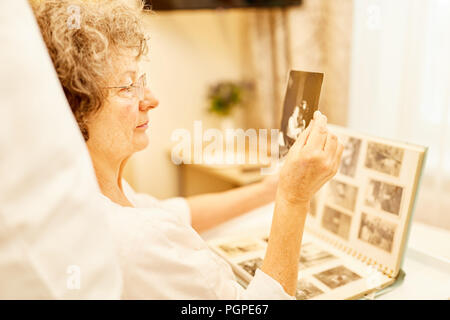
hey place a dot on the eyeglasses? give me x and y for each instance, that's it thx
(134, 90)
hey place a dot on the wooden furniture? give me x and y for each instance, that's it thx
(202, 178)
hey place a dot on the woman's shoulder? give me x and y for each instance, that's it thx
(141, 200)
(177, 207)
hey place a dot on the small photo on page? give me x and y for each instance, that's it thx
(311, 255)
(350, 155)
(251, 265)
(342, 194)
(384, 196)
(240, 247)
(300, 103)
(384, 158)
(306, 290)
(337, 277)
(376, 231)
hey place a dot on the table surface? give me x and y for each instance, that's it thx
(426, 262)
(233, 174)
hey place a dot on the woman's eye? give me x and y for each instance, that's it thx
(126, 92)
(128, 89)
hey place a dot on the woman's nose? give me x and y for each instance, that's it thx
(149, 101)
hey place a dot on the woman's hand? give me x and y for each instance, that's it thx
(311, 162)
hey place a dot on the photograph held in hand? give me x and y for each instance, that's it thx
(300, 103)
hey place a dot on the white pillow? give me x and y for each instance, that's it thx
(54, 241)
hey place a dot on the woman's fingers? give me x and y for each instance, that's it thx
(338, 156)
(319, 132)
(331, 146)
(303, 138)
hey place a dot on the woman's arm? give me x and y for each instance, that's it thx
(209, 210)
(283, 250)
(312, 161)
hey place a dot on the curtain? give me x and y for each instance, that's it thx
(315, 36)
(400, 87)
(321, 35)
(266, 49)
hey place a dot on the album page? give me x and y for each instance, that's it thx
(324, 271)
(365, 210)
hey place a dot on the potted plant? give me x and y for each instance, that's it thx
(224, 97)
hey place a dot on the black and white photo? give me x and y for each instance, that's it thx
(336, 222)
(306, 290)
(251, 265)
(312, 255)
(233, 249)
(384, 196)
(350, 155)
(377, 232)
(337, 277)
(342, 194)
(383, 158)
(301, 101)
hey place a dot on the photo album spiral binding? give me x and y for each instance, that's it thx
(357, 228)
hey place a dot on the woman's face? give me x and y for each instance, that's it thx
(118, 129)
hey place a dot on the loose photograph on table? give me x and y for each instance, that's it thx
(337, 277)
(384, 196)
(306, 290)
(377, 232)
(336, 222)
(342, 194)
(350, 155)
(384, 158)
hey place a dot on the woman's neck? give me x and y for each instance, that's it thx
(109, 176)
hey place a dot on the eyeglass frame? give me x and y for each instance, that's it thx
(140, 84)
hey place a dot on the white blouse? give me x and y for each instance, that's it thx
(163, 257)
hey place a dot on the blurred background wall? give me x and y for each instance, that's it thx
(400, 87)
(386, 69)
(190, 50)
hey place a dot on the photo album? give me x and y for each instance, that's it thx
(356, 232)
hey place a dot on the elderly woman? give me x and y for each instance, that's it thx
(160, 253)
